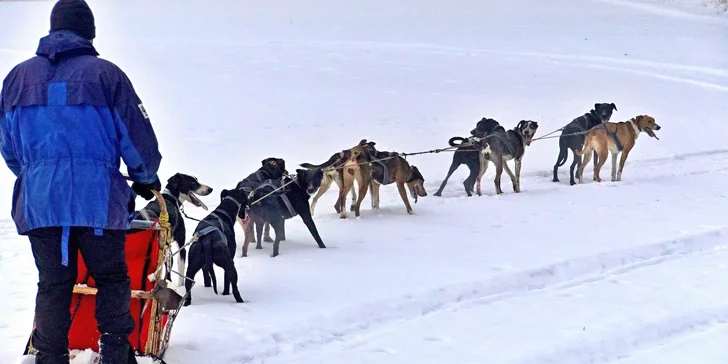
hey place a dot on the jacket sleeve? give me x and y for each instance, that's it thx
(7, 147)
(139, 148)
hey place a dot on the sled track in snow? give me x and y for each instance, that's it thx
(342, 325)
(618, 344)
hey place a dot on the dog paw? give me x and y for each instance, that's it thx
(438, 194)
(225, 293)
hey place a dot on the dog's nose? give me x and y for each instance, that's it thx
(657, 127)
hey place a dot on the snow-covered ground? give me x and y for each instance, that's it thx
(622, 273)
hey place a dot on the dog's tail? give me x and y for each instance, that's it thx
(563, 156)
(207, 253)
(334, 158)
(456, 139)
(587, 148)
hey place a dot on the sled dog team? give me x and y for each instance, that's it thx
(270, 196)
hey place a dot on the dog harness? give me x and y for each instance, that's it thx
(614, 136)
(221, 228)
(380, 161)
(505, 141)
(283, 196)
(577, 122)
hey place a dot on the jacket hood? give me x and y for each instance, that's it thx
(64, 43)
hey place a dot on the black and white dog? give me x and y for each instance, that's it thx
(180, 188)
(573, 134)
(500, 147)
(284, 204)
(469, 155)
(215, 243)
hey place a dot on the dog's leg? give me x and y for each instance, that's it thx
(311, 225)
(595, 163)
(622, 160)
(453, 167)
(347, 184)
(248, 230)
(583, 163)
(283, 230)
(403, 195)
(374, 190)
(498, 173)
(511, 175)
(277, 227)
(252, 238)
(266, 232)
(363, 180)
(602, 155)
(614, 167)
(192, 269)
(231, 276)
(226, 283)
(576, 162)
(259, 225)
(518, 172)
(353, 198)
(481, 172)
(181, 262)
(325, 185)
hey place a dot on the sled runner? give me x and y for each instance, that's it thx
(154, 307)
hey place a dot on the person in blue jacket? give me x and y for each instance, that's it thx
(67, 118)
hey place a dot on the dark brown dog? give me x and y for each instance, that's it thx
(388, 168)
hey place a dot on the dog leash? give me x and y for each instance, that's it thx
(182, 211)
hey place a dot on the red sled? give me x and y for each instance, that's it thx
(148, 257)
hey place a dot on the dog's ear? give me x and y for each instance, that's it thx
(362, 142)
(596, 107)
(614, 106)
(224, 193)
(521, 124)
(175, 180)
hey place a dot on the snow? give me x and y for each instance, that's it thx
(623, 273)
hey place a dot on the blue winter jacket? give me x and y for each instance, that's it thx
(67, 117)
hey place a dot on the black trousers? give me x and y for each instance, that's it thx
(103, 254)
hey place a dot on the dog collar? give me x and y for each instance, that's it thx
(233, 200)
(166, 192)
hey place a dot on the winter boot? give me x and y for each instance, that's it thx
(114, 349)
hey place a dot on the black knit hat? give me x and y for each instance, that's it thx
(73, 15)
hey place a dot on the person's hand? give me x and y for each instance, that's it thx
(145, 190)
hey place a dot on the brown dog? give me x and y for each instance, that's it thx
(356, 168)
(388, 168)
(332, 173)
(614, 138)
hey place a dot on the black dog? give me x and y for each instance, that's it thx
(216, 244)
(469, 155)
(573, 135)
(179, 188)
(284, 204)
(271, 168)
